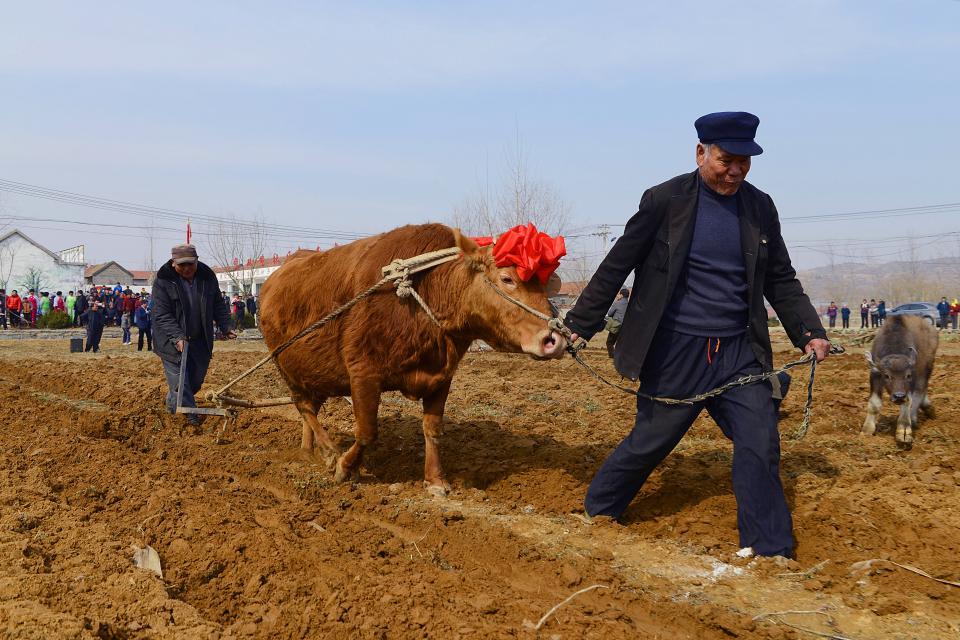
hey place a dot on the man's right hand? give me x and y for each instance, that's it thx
(180, 346)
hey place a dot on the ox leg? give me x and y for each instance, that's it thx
(927, 405)
(366, 402)
(916, 401)
(904, 430)
(314, 434)
(433, 406)
(873, 405)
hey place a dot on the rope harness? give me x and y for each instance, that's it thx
(401, 270)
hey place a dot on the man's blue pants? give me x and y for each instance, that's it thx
(681, 366)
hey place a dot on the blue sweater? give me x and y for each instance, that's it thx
(710, 299)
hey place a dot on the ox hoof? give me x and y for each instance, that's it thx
(437, 490)
(904, 437)
(869, 428)
(342, 474)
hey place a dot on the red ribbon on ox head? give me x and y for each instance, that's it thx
(532, 252)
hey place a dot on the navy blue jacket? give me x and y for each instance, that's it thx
(141, 318)
(655, 245)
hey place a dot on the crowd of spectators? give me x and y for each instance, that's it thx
(99, 307)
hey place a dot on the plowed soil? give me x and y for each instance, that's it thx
(256, 540)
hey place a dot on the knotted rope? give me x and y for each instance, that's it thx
(557, 325)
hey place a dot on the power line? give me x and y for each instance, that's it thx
(152, 212)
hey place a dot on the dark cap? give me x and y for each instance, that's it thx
(184, 253)
(733, 131)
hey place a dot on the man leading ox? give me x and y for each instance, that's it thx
(706, 249)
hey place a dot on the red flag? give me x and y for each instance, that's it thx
(188, 232)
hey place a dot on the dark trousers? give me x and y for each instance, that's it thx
(943, 321)
(678, 366)
(833, 321)
(863, 320)
(93, 339)
(3, 320)
(846, 323)
(198, 360)
(144, 332)
(874, 320)
(611, 342)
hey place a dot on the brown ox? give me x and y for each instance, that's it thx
(386, 343)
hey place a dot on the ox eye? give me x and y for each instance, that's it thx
(505, 279)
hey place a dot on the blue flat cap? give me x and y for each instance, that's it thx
(732, 130)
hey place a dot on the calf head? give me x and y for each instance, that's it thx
(897, 373)
(503, 324)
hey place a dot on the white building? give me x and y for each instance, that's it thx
(26, 264)
(250, 277)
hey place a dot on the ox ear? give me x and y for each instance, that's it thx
(465, 242)
(553, 285)
(869, 358)
(913, 355)
(479, 257)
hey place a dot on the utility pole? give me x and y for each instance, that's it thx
(602, 232)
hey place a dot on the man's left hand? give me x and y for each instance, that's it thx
(819, 346)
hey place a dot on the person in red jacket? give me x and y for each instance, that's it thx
(954, 311)
(14, 306)
(129, 302)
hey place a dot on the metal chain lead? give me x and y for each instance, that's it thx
(739, 382)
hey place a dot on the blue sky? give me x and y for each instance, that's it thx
(364, 116)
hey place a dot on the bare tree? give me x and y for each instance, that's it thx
(576, 271)
(8, 254)
(238, 245)
(35, 279)
(519, 199)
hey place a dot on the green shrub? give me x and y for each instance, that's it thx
(248, 322)
(55, 320)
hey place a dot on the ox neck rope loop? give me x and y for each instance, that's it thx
(801, 431)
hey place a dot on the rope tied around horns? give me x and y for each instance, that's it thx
(401, 270)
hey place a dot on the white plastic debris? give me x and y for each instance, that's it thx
(746, 552)
(147, 558)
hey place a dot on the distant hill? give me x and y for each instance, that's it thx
(896, 282)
